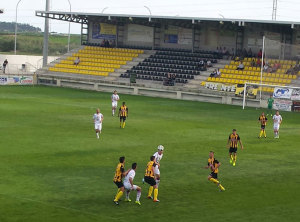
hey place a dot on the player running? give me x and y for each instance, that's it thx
(128, 184)
(263, 122)
(98, 119)
(214, 165)
(114, 102)
(123, 113)
(149, 178)
(277, 119)
(119, 174)
(232, 144)
(270, 105)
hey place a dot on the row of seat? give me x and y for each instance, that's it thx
(121, 54)
(271, 61)
(169, 61)
(105, 61)
(163, 74)
(187, 54)
(167, 70)
(93, 56)
(237, 81)
(256, 78)
(136, 51)
(96, 64)
(83, 67)
(154, 78)
(182, 58)
(77, 71)
(253, 73)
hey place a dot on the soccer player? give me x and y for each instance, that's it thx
(123, 113)
(232, 143)
(98, 119)
(263, 122)
(277, 119)
(114, 102)
(214, 165)
(158, 156)
(128, 184)
(119, 174)
(270, 105)
(150, 179)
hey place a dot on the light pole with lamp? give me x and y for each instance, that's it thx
(104, 10)
(69, 26)
(16, 26)
(149, 12)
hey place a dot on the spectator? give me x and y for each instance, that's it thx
(77, 61)
(208, 63)
(250, 54)
(290, 70)
(103, 43)
(218, 74)
(266, 67)
(258, 62)
(4, 65)
(253, 64)
(259, 54)
(241, 66)
(213, 74)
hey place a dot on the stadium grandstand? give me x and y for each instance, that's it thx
(176, 57)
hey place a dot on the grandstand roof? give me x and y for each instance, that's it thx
(80, 17)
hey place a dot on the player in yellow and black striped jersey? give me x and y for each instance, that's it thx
(214, 165)
(119, 174)
(263, 122)
(232, 144)
(123, 113)
(150, 179)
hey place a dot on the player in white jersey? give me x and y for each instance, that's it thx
(128, 184)
(98, 119)
(277, 119)
(158, 156)
(114, 102)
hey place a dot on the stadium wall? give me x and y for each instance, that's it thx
(143, 91)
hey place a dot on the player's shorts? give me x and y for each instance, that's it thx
(276, 126)
(119, 184)
(232, 150)
(156, 170)
(98, 126)
(114, 104)
(150, 180)
(262, 126)
(214, 175)
(128, 186)
(122, 118)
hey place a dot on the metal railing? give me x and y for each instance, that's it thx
(18, 69)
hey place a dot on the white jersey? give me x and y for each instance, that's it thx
(98, 118)
(158, 157)
(277, 119)
(115, 98)
(131, 174)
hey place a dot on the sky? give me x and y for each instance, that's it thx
(288, 10)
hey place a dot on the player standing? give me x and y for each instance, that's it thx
(158, 156)
(98, 119)
(114, 102)
(119, 174)
(263, 122)
(277, 119)
(123, 113)
(149, 178)
(232, 143)
(128, 184)
(270, 105)
(214, 165)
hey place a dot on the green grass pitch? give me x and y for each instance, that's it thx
(52, 167)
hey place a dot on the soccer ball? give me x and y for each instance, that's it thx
(160, 148)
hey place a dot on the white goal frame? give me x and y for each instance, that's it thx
(262, 85)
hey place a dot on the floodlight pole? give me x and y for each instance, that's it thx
(261, 68)
(149, 12)
(46, 35)
(16, 27)
(104, 10)
(69, 26)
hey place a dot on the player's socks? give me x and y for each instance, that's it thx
(214, 180)
(155, 194)
(261, 133)
(123, 125)
(127, 196)
(120, 124)
(265, 135)
(231, 159)
(138, 196)
(150, 191)
(221, 187)
(157, 182)
(113, 112)
(119, 195)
